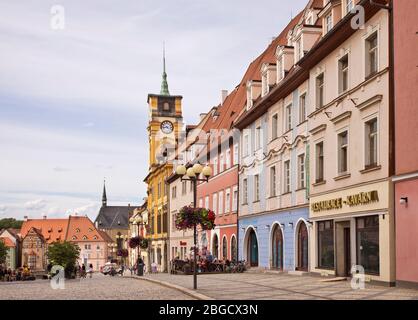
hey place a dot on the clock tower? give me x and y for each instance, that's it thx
(165, 123)
(164, 129)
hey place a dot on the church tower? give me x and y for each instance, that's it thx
(164, 127)
(165, 122)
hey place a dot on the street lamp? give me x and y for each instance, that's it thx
(193, 174)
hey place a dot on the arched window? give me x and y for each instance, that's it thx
(277, 248)
(224, 248)
(302, 238)
(252, 248)
(215, 246)
(234, 256)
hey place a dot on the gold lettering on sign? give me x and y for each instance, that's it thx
(361, 198)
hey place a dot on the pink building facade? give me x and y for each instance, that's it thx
(406, 142)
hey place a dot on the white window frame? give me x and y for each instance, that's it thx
(341, 73)
(215, 166)
(258, 137)
(287, 178)
(317, 162)
(302, 113)
(221, 202)
(236, 153)
(288, 117)
(318, 87)
(365, 142)
(339, 132)
(273, 181)
(274, 126)
(228, 200)
(256, 188)
(301, 173)
(215, 203)
(227, 159)
(235, 196)
(245, 191)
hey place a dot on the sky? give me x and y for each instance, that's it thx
(73, 91)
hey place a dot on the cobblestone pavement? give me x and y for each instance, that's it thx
(282, 286)
(99, 287)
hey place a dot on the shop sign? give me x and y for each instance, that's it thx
(361, 198)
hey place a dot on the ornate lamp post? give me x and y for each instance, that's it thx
(193, 174)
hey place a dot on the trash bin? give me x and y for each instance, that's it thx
(140, 269)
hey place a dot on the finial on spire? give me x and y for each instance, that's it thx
(164, 85)
(104, 197)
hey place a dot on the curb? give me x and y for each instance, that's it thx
(189, 292)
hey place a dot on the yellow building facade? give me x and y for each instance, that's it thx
(164, 128)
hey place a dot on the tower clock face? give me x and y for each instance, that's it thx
(167, 127)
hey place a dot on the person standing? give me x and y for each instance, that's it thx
(91, 270)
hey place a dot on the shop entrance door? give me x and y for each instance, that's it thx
(343, 248)
(347, 252)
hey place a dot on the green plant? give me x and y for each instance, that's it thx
(3, 252)
(64, 254)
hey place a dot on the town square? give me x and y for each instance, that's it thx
(173, 151)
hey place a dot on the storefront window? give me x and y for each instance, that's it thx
(368, 243)
(326, 244)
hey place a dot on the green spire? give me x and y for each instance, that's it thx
(164, 85)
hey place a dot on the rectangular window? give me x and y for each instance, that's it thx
(343, 152)
(221, 202)
(183, 187)
(287, 176)
(228, 200)
(280, 73)
(228, 158)
(274, 126)
(343, 74)
(264, 82)
(288, 117)
(256, 187)
(371, 55)
(368, 244)
(328, 23)
(174, 192)
(302, 108)
(349, 5)
(246, 145)
(319, 162)
(207, 202)
(299, 49)
(326, 244)
(371, 143)
(201, 203)
(159, 222)
(320, 91)
(215, 203)
(235, 199)
(215, 166)
(273, 181)
(165, 221)
(236, 153)
(258, 138)
(244, 191)
(301, 171)
(159, 189)
(221, 163)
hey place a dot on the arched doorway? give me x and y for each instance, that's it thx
(277, 248)
(302, 254)
(252, 249)
(224, 248)
(215, 246)
(234, 249)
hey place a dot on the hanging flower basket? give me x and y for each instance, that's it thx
(122, 253)
(138, 242)
(189, 216)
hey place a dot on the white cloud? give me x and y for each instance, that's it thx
(90, 209)
(35, 204)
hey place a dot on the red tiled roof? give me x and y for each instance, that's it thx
(51, 229)
(7, 242)
(82, 229)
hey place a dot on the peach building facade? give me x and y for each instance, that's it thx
(350, 133)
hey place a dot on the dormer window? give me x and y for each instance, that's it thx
(253, 92)
(77, 230)
(264, 82)
(349, 5)
(299, 49)
(280, 69)
(328, 23)
(84, 238)
(74, 238)
(249, 100)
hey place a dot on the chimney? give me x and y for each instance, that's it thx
(44, 216)
(25, 218)
(202, 116)
(224, 94)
